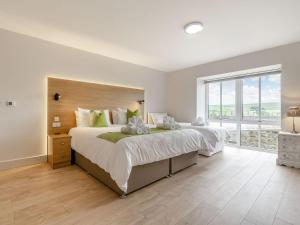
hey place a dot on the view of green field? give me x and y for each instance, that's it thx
(269, 111)
(251, 133)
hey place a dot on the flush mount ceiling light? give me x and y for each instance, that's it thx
(193, 27)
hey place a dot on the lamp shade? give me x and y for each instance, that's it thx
(293, 111)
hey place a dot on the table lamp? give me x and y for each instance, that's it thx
(293, 111)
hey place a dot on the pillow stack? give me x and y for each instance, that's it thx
(122, 116)
(101, 118)
(92, 118)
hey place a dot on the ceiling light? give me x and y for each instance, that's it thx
(193, 28)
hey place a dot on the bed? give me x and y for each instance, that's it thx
(134, 162)
(214, 137)
(152, 157)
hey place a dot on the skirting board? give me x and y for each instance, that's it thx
(9, 164)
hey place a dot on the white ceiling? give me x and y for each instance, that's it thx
(149, 32)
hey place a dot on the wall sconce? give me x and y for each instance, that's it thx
(56, 97)
(141, 101)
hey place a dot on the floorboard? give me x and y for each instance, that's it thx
(234, 187)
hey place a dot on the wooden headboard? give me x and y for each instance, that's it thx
(76, 94)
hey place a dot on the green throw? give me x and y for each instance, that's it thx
(117, 136)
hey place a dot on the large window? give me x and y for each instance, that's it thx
(249, 107)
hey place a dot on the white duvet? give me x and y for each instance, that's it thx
(118, 158)
(215, 137)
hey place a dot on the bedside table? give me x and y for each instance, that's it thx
(288, 149)
(59, 150)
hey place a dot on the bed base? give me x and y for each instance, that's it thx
(184, 161)
(140, 176)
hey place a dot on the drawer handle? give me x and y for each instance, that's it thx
(62, 143)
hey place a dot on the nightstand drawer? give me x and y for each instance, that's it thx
(62, 157)
(289, 156)
(61, 145)
(288, 148)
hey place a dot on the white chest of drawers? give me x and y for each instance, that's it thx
(288, 149)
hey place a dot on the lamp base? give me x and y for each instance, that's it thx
(294, 130)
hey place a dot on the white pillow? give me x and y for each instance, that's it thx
(115, 116)
(83, 117)
(122, 117)
(119, 116)
(157, 117)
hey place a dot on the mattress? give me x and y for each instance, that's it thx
(118, 158)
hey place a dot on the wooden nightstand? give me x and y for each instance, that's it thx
(288, 149)
(59, 150)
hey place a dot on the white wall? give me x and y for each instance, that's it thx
(182, 85)
(24, 64)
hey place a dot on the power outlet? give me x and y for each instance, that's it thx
(56, 124)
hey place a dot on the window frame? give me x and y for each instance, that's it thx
(239, 120)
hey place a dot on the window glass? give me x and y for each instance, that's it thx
(270, 98)
(250, 92)
(228, 99)
(214, 110)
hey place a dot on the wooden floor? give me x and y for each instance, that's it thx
(233, 187)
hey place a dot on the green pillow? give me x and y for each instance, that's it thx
(100, 120)
(132, 113)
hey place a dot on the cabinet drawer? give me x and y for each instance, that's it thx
(288, 148)
(289, 139)
(289, 143)
(61, 145)
(292, 156)
(62, 157)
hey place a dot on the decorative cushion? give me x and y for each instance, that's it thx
(94, 113)
(100, 120)
(131, 114)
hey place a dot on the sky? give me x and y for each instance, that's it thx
(270, 90)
